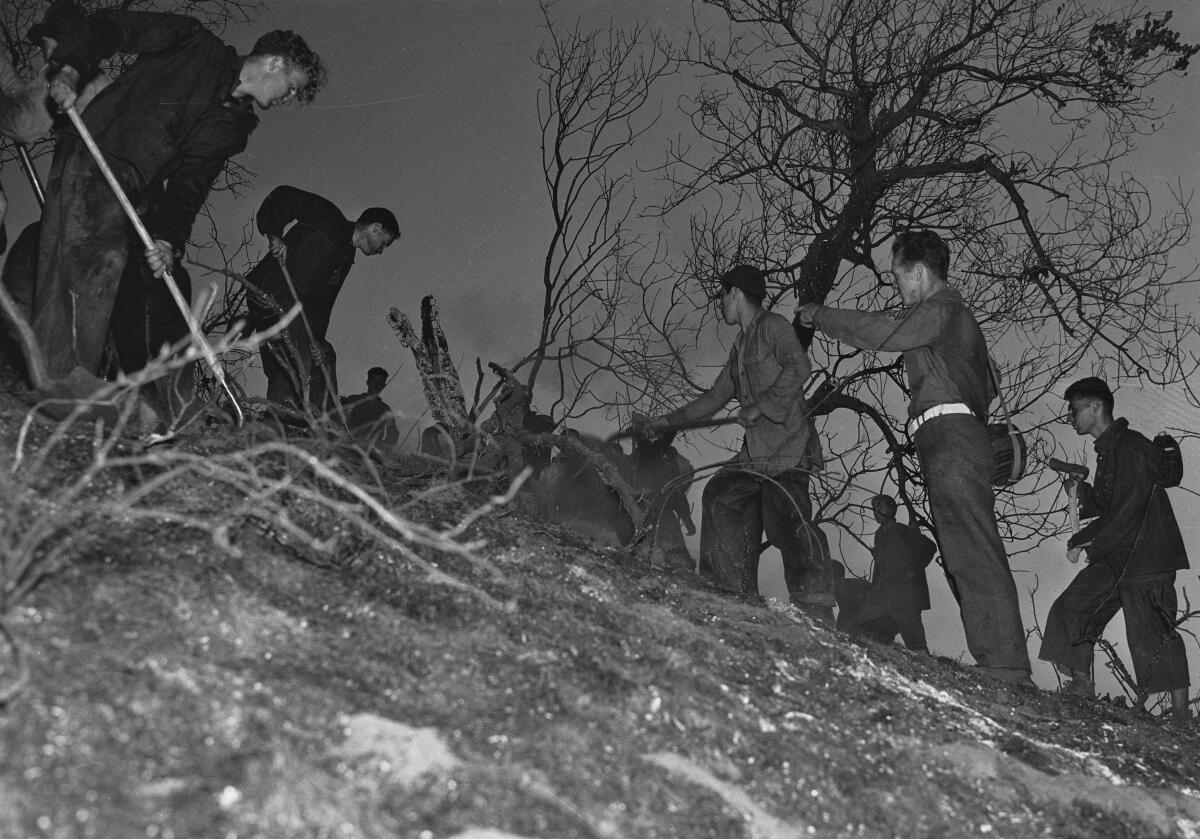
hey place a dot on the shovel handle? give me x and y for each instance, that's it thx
(144, 235)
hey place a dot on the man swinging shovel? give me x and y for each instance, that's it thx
(182, 108)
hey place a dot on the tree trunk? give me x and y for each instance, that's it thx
(443, 388)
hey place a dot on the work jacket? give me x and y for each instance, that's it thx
(170, 116)
(1135, 531)
(320, 253)
(766, 367)
(901, 554)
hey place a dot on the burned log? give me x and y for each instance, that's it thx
(443, 388)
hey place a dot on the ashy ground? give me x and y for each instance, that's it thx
(546, 688)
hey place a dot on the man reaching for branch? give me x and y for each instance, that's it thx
(766, 485)
(948, 372)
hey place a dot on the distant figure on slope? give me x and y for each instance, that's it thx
(898, 586)
(1133, 549)
(308, 263)
(369, 418)
(653, 465)
(173, 119)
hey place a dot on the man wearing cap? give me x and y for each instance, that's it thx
(1133, 549)
(946, 358)
(171, 121)
(766, 486)
(312, 247)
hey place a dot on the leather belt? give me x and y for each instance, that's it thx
(936, 411)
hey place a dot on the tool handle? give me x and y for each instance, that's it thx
(683, 426)
(1071, 470)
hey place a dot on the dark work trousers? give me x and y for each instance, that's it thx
(1079, 615)
(738, 505)
(286, 372)
(19, 277)
(956, 461)
(144, 318)
(81, 254)
(902, 615)
(908, 622)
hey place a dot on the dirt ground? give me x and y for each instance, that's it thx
(185, 686)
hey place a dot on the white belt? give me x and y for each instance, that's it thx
(936, 411)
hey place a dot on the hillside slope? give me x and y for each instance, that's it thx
(535, 687)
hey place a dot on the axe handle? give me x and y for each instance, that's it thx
(1073, 506)
(683, 426)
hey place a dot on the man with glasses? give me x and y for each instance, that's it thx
(168, 123)
(1133, 548)
(764, 488)
(307, 264)
(948, 372)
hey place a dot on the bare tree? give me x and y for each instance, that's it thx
(822, 127)
(596, 86)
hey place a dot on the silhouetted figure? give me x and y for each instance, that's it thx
(898, 586)
(653, 465)
(369, 418)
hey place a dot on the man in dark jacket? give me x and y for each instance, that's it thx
(946, 359)
(898, 587)
(317, 251)
(182, 109)
(1133, 550)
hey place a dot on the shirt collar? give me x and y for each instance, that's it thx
(1108, 438)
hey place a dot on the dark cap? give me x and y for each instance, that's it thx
(378, 215)
(748, 278)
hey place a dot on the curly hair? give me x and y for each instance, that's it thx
(296, 53)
